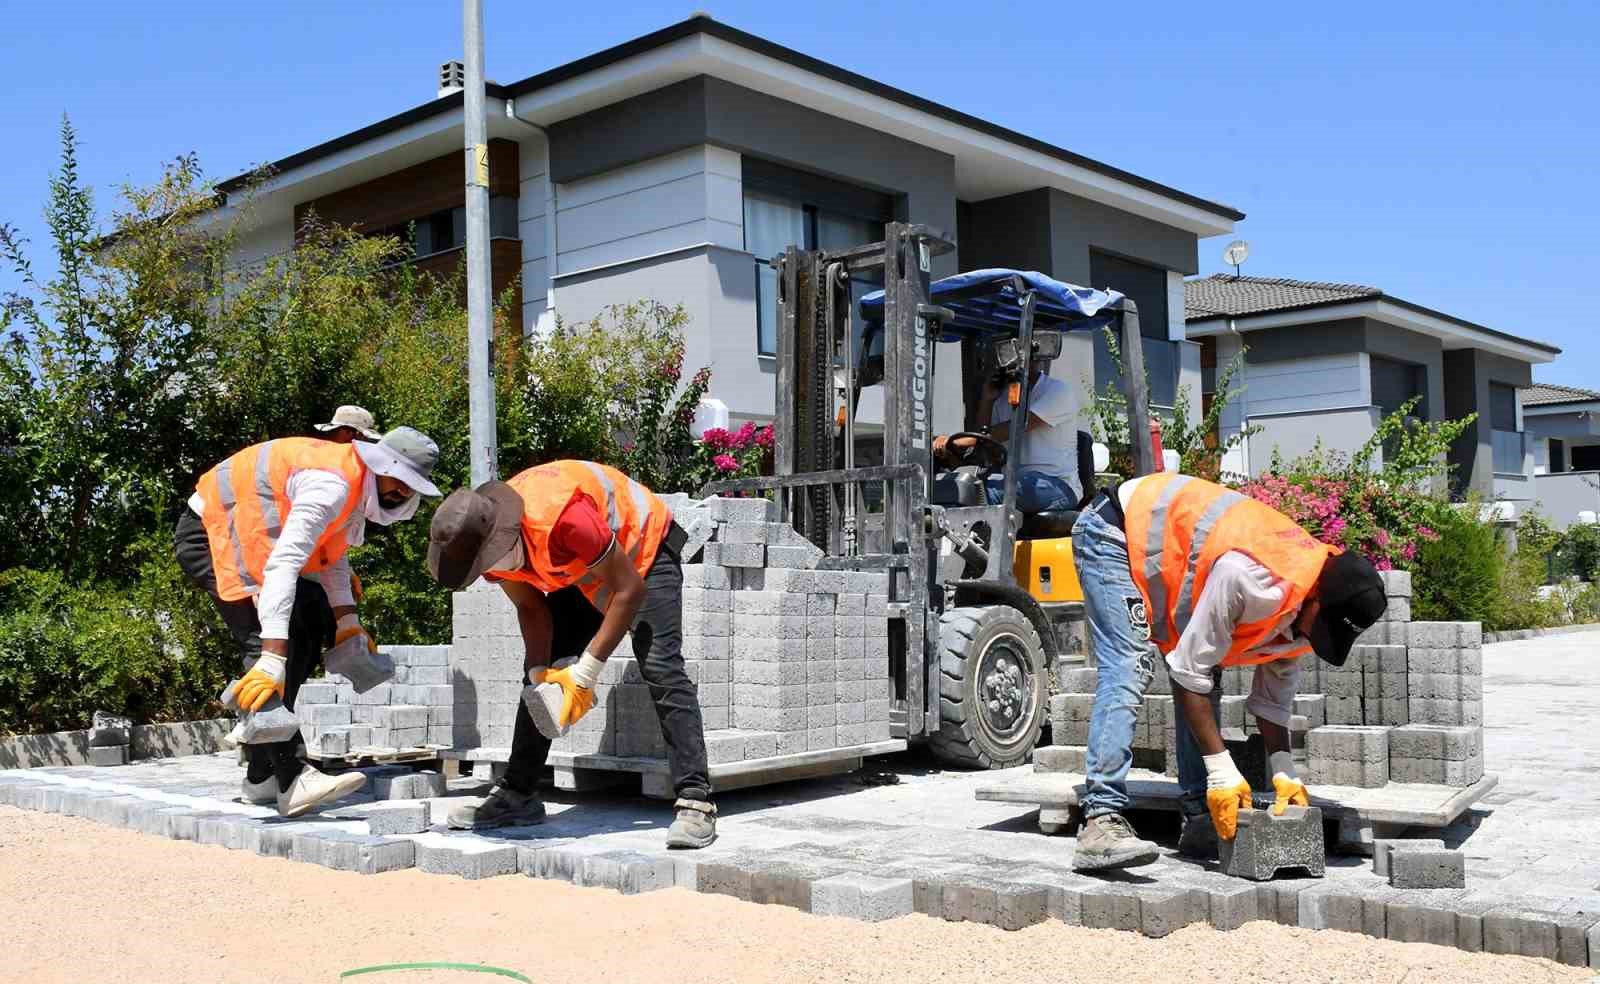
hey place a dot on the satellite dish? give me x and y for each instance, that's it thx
(1235, 254)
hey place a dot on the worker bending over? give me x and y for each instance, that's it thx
(1214, 579)
(585, 554)
(266, 534)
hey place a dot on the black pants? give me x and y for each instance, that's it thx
(658, 646)
(311, 629)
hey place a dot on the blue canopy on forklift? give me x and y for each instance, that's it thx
(986, 303)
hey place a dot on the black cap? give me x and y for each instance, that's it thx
(1352, 600)
(471, 529)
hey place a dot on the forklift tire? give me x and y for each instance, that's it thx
(993, 687)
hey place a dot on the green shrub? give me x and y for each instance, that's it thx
(67, 650)
(1577, 552)
(1457, 576)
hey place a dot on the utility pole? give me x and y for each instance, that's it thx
(480, 291)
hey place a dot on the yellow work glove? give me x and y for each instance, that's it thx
(349, 626)
(1289, 790)
(576, 679)
(262, 683)
(1226, 794)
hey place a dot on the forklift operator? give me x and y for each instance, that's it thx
(1048, 476)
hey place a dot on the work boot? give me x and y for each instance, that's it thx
(695, 825)
(1199, 837)
(1108, 841)
(263, 793)
(503, 807)
(312, 789)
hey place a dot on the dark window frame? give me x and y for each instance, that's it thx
(815, 195)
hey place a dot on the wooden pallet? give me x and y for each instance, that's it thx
(1362, 814)
(373, 756)
(586, 772)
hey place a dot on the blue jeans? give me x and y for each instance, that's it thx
(1191, 768)
(1037, 491)
(1124, 655)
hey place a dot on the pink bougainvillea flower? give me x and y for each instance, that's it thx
(726, 462)
(743, 436)
(716, 438)
(764, 437)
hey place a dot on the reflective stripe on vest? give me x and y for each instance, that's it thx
(1155, 545)
(246, 497)
(1178, 526)
(638, 521)
(225, 494)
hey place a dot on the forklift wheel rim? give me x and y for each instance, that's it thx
(1015, 698)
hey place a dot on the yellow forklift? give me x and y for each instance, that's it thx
(984, 599)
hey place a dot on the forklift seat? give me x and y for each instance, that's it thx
(1047, 525)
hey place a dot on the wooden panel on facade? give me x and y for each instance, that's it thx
(413, 192)
(505, 266)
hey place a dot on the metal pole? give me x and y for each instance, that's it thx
(480, 290)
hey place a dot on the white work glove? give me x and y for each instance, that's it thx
(577, 680)
(1226, 793)
(1288, 789)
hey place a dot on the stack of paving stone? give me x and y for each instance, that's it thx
(109, 738)
(1406, 707)
(786, 658)
(413, 710)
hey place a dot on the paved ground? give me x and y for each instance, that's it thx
(1533, 855)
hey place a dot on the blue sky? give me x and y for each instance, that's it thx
(1444, 151)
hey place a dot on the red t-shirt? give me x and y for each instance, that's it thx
(581, 533)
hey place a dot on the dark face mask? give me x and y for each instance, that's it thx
(392, 500)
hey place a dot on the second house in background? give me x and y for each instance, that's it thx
(1326, 361)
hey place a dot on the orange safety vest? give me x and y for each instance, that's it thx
(637, 517)
(247, 500)
(1178, 526)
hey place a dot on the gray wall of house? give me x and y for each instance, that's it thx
(1561, 497)
(1350, 335)
(677, 150)
(1292, 434)
(1467, 375)
(705, 110)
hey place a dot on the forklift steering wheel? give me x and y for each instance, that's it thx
(986, 452)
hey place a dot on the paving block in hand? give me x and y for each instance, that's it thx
(364, 668)
(1266, 843)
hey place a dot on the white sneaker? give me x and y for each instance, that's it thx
(261, 793)
(312, 789)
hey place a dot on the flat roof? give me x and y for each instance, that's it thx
(701, 24)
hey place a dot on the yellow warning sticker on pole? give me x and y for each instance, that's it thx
(480, 172)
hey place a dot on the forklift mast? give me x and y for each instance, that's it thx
(822, 366)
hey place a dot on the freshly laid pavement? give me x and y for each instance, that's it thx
(926, 844)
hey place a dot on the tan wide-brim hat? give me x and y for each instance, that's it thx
(356, 418)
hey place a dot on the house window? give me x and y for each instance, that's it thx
(784, 207)
(1504, 437)
(1586, 457)
(1147, 285)
(446, 229)
(1393, 383)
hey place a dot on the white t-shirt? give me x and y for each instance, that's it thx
(1053, 449)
